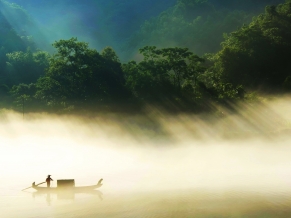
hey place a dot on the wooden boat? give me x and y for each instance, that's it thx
(74, 189)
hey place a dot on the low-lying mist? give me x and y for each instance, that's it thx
(247, 147)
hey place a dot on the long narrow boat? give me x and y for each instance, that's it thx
(70, 188)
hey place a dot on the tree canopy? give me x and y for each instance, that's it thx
(78, 74)
(255, 56)
(258, 53)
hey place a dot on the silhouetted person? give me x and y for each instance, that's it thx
(48, 181)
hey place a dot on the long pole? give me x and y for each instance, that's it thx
(31, 186)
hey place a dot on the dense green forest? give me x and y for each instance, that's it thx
(194, 53)
(196, 24)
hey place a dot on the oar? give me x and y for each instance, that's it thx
(31, 186)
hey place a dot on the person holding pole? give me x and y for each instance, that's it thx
(48, 181)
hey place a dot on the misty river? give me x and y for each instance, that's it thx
(153, 165)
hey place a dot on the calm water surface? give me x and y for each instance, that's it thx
(186, 203)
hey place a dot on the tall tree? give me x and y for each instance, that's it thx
(79, 76)
(163, 72)
(258, 53)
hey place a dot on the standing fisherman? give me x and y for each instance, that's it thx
(48, 180)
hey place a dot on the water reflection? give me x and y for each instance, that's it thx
(65, 194)
(48, 199)
(188, 203)
(161, 204)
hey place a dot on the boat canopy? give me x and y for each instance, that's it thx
(62, 183)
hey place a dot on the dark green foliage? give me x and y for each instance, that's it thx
(287, 84)
(9, 40)
(79, 76)
(193, 24)
(19, 60)
(196, 24)
(3, 59)
(23, 96)
(247, 5)
(148, 79)
(4, 89)
(25, 67)
(12, 34)
(164, 73)
(22, 67)
(258, 53)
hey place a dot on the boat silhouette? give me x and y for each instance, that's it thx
(68, 188)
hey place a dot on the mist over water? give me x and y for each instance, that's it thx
(152, 164)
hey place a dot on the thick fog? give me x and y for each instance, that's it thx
(248, 149)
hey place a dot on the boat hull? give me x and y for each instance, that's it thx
(72, 189)
(80, 189)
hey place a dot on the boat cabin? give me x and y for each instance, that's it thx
(65, 183)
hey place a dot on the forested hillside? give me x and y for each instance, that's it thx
(12, 38)
(193, 54)
(127, 25)
(99, 22)
(196, 24)
(20, 61)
